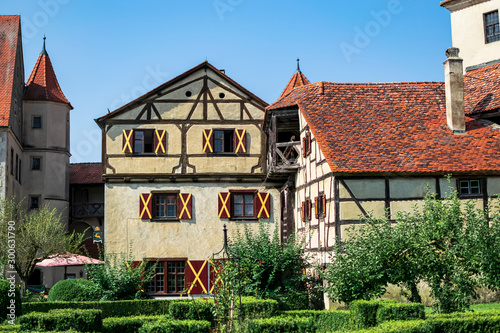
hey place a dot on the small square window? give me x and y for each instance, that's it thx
(491, 27)
(37, 122)
(223, 141)
(34, 202)
(36, 163)
(143, 141)
(166, 205)
(469, 187)
(169, 277)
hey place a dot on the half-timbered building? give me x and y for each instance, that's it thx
(179, 163)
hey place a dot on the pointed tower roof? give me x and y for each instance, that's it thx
(298, 80)
(42, 83)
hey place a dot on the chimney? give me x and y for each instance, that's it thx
(454, 88)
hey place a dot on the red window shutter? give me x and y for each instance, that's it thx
(146, 206)
(308, 138)
(208, 140)
(184, 202)
(323, 197)
(303, 211)
(304, 148)
(316, 207)
(263, 205)
(240, 141)
(197, 276)
(127, 141)
(309, 207)
(160, 142)
(224, 205)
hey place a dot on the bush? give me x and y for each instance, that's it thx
(326, 321)
(109, 309)
(127, 324)
(400, 311)
(70, 290)
(364, 313)
(256, 308)
(174, 326)
(6, 297)
(62, 320)
(192, 310)
(278, 325)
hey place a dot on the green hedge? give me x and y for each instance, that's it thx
(192, 310)
(325, 321)
(364, 313)
(6, 306)
(176, 326)
(252, 307)
(62, 320)
(127, 324)
(9, 328)
(400, 311)
(75, 290)
(109, 309)
(278, 325)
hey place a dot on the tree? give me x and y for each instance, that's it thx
(447, 244)
(37, 234)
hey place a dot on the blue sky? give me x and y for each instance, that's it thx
(106, 53)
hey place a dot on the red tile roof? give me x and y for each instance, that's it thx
(42, 83)
(10, 27)
(298, 80)
(392, 128)
(85, 173)
(482, 89)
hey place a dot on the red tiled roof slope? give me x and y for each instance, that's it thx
(298, 80)
(42, 83)
(392, 127)
(482, 89)
(85, 173)
(9, 32)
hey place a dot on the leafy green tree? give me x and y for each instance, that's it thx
(270, 269)
(448, 244)
(36, 234)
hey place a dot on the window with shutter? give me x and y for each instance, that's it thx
(224, 205)
(127, 141)
(145, 206)
(197, 277)
(184, 203)
(308, 208)
(263, 205)
(308, 143)
(317, 206)
(160, 141)
(323, 206)
(240, 141)
(208, 140)
(169, 277)
(244, 204)
(303, 211)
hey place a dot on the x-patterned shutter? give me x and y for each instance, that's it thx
(208, 140)
(215, 279)
(127, 141)
(240, 141)
(160, 142)
(316, 207)
(146, 206)
(197, 276)
(263, 205)
(224, 205)
(184, 203)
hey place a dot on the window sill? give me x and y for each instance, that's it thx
(470, 196)
(243, 219)
(159, 219)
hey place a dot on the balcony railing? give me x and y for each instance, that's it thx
(284, 156)
(89, 209)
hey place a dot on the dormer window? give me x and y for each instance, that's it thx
(491, 27)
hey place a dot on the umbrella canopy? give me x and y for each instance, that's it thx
(68, 259)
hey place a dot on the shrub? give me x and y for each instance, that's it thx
(364, 313)
(70, 290)
(184, 326)
(326, 321)
(400, 311)
(191, 310)
(127, 324)
(278, 325)
(109, 309)
(252, 307)
(62, 320)
(6, 297)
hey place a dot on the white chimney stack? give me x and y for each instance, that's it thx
(454, 88)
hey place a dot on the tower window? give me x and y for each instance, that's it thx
(37, 122)
(491, 27)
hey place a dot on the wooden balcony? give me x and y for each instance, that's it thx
(89, 209)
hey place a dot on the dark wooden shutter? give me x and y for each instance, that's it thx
(160, 142)
(304, 148)
(208, 140)
(197, 277)
(224, 205)
(263, 205)
(184, 203)
(316, 207)
(308, 142)
(303, 211)
(323, 199)
(128, 141)
(146, 206)
(308, 208)
(240, 141)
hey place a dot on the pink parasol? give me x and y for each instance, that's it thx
(68, 259)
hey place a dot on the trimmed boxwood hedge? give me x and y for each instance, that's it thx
(174, 326)
(128, 324)
(252, 307)
(74, 290)
(192, 310)
(5, 300)
(325, 321)
(62, 320)
(278, 325)
(364, 313)
(400, 311)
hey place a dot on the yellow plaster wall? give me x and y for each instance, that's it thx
(363, 188)
(411, 187)
(351, 211)
(195, 239)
